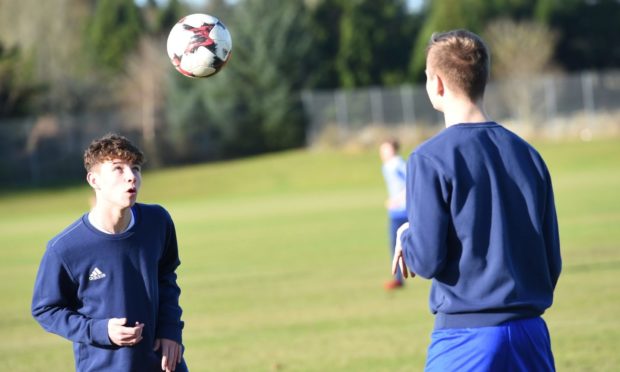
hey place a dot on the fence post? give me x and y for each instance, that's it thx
(550, 99)
(307, 100)
(407, 104)
(35, 169)
(587, 89)
(376, 106)
(342, 112)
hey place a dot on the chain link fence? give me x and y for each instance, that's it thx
(580, 104)
(48, 149)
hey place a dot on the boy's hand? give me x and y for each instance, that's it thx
(121, 335)
(399, 257)
(171, 353)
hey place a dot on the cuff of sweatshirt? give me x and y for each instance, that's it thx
(171, 332)
(99, 332)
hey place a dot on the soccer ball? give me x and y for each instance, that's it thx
(199, 45)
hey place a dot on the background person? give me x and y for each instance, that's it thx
(394, 171)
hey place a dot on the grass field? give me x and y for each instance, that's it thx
(284, 257)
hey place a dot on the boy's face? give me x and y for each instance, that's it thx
(116, 182)
(386, 151)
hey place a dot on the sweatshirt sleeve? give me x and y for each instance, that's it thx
(551, 235)
(170, 325)
(425, 241)
(54, 301)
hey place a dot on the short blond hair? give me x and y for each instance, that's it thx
(110, 147)
(462, 59)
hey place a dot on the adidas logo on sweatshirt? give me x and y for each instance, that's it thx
(96, 274)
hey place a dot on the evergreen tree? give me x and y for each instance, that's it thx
(113, 33)
(325, 18)
(168, 15)
(374, 47)
(443, 15)
(474, 15)
(585, 29)
(50, 33)
(17, 89)
(253, 105)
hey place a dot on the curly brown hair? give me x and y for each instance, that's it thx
(109, 147)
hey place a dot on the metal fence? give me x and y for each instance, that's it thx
(46, 149)
(538, 103)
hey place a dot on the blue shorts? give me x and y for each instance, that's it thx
(517, 345)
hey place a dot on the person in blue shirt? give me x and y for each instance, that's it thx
(394, 173)
(108, 281)
(481, 224)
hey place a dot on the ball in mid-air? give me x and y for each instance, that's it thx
(199, 45)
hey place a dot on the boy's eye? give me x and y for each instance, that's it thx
(136, 169)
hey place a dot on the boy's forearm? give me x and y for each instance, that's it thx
(72, 325)
(54, 294)
(169, 325)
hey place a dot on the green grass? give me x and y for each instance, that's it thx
(284, 257)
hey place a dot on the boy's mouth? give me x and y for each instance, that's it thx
(132, 190)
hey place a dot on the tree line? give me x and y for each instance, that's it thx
(64, 56)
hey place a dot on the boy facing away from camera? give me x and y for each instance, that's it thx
(481, 224)
(108, 282)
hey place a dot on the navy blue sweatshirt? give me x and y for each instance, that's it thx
(87, 277)
(483, 226)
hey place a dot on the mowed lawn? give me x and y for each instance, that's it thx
(284, 256)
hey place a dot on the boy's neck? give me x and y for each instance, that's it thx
(111, 220)
(463, 112)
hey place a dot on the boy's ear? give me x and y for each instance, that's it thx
(92, 180)
(439, 86)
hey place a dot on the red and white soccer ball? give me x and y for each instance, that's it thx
(199, 45)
